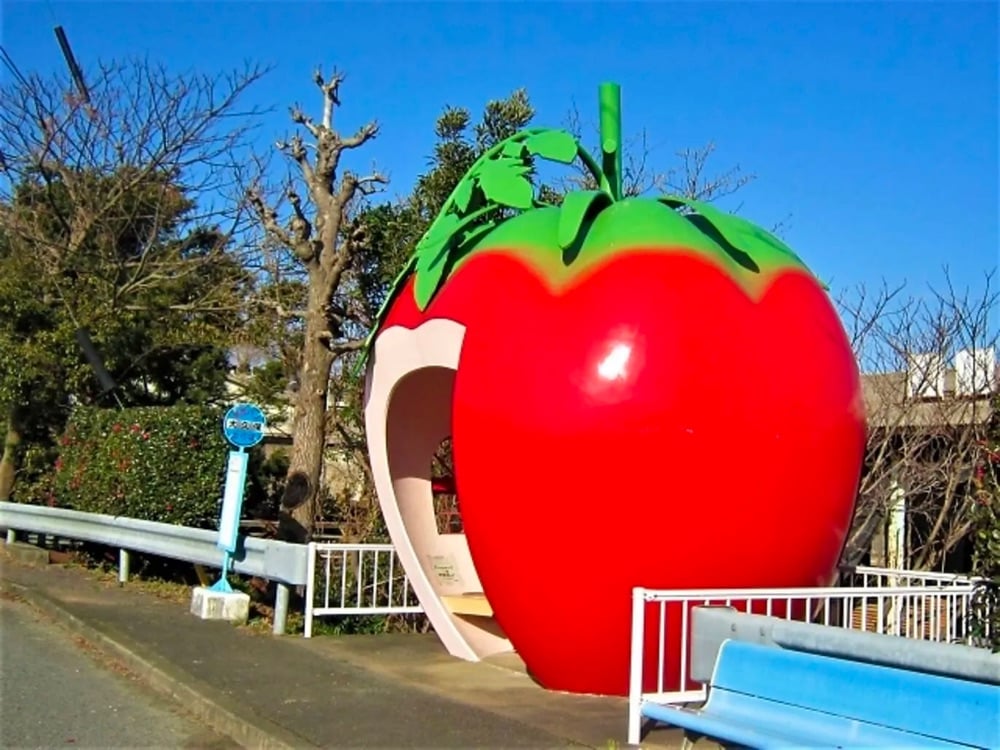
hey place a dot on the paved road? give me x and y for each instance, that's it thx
(55, 692)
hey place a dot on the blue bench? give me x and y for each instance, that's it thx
(765, 696)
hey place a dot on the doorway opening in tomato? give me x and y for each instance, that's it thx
(422, 510)
(446, 508)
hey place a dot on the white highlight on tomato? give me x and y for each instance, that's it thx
(614, 365)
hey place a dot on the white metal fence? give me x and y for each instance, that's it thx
(927, 606)
(868, 577)
(356, 579)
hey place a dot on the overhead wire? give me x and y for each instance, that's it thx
(11, 66)
(52, 13)
(9, 63)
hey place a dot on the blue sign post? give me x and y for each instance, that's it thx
(243, 426)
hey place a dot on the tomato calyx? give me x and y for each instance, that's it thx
(499, 187)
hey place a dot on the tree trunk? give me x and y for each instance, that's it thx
(302, 486)
(8, 463)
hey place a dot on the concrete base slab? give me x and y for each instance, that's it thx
(27, 554)
(232, 606)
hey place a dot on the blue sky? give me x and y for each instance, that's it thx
(873, 126)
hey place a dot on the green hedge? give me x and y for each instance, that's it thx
(156, 463)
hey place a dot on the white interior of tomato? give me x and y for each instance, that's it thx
(408, 408)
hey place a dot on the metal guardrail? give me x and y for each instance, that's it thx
(266, 558)
(285, 563)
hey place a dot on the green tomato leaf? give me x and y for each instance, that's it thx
(555, 145)
(395, 288)
(425, 285)
(442, 228)
(431, 265)
(576, 208)
(472, 236)
(500, 178)
(504, 163)
(502, 181)
(432, 254)
(463, 194)
(513, 149)
(738, 232)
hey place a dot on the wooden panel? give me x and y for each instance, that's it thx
(468, 604)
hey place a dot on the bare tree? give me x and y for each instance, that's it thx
(139, 132)
(314, 222)
(926, 426)
(690, 176)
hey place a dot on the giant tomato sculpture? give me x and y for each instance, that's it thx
(639, 392)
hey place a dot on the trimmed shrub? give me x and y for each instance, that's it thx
(156, 463)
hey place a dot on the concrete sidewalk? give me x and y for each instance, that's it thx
(380, 691)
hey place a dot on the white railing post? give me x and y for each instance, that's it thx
(310, 588)
(281, 595)
(124, 560)
(374, 596)
(342, 557)
(635, 665)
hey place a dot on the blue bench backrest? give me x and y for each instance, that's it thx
(943, 707)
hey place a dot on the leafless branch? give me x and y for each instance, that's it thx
(348, 346)
(151, 155)
(366, 133)
(926, 445)
(295, 148)
(691, 178)
(352, 186)
(301, 118)
(331, 95)
(268, 217)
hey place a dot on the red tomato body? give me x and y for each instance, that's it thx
(647, 425)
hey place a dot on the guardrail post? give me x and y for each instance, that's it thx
(124, 558)
(635, 666)
(310, 588)
(280, 609)
(11, 536)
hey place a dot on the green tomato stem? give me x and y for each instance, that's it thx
(610, 99)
